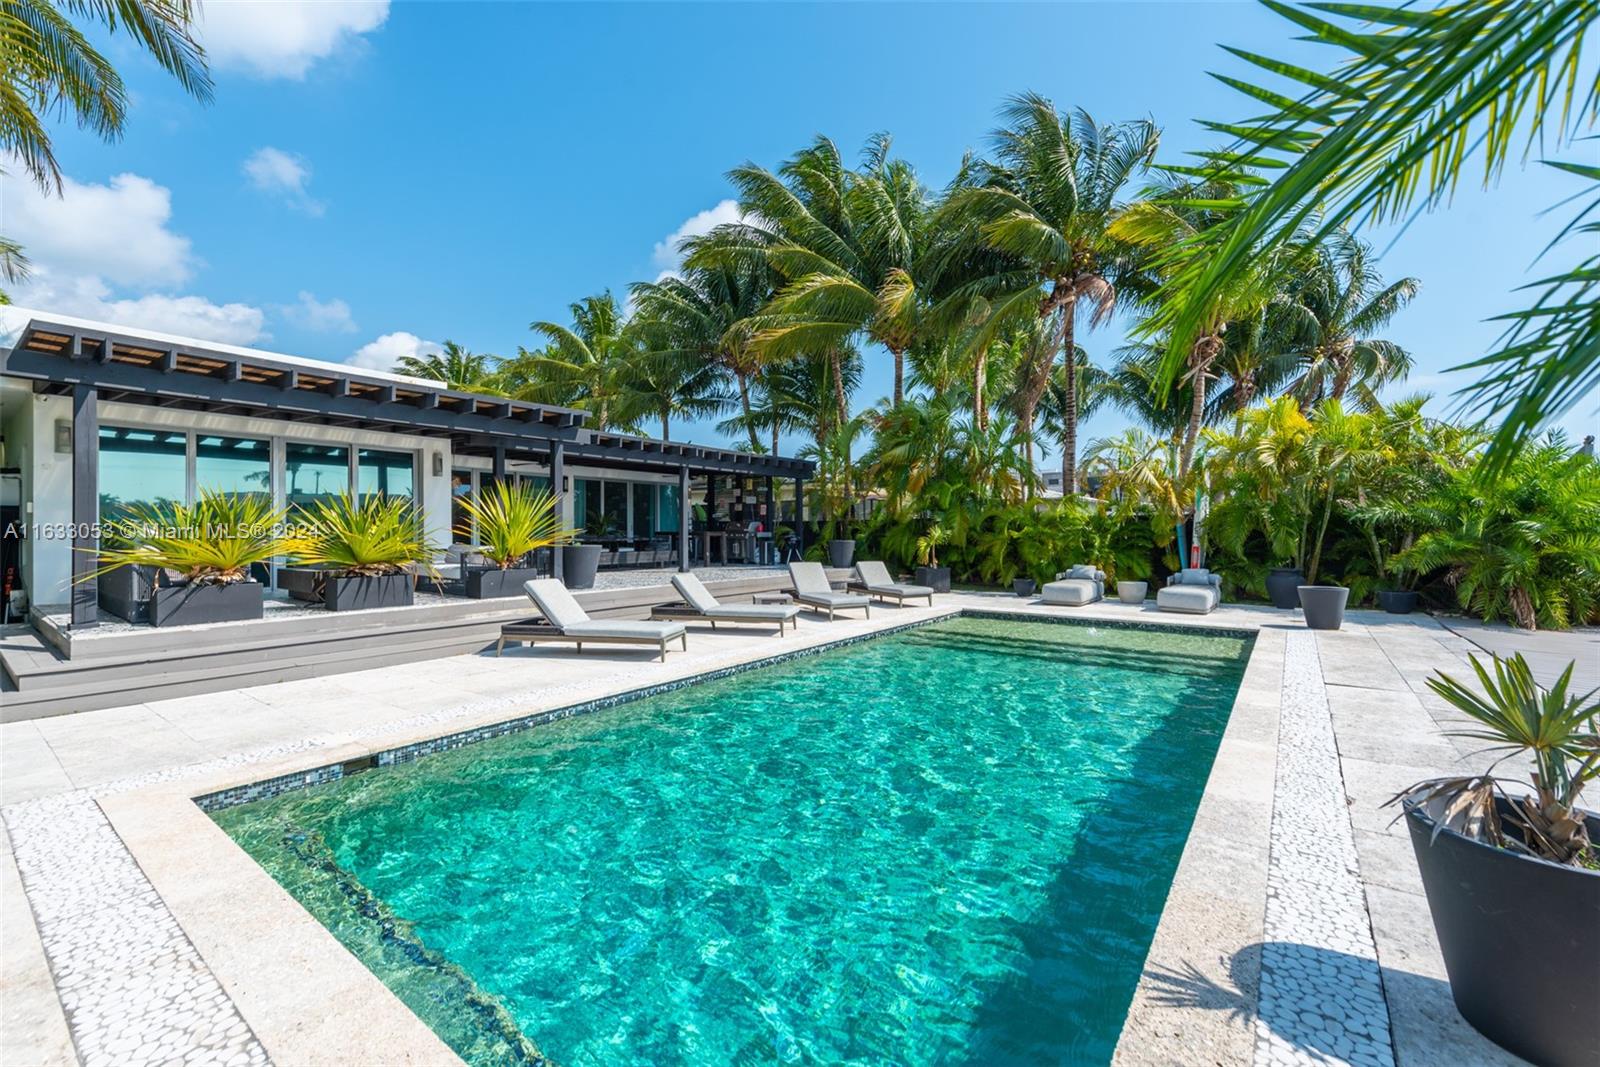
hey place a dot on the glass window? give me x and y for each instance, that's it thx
(385, 473)
(667, 513)
(616, 509)
(588, 502)
(536, 483)
(232, 464)
(643, 508)
(314, 472)
(141, 467)
(461, 529)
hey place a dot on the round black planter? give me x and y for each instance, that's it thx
(578, 565)
(1283, 586)
(1397, 601)
(1024, 586)
(841, 553)
(1323, 605)
(1520, 939)
(935, 578)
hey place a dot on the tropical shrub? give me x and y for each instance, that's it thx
(213, 541)
(369, 535)
(512, 521)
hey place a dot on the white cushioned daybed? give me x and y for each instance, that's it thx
(1075, 587)
(1193, 591)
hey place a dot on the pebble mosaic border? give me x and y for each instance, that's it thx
(1322, 1000)
(133, 988)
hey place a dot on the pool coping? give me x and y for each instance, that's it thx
(281, 967)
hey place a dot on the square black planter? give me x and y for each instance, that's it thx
(935, 578)
(346, 593)
(191, 605)
(487, 583)
(125, 592)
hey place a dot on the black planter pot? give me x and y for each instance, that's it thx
(1397, 601)
(579, 564)
(486, 583)
(841, 553)
(1323, 605)
(190, 605)
(1283, 586)
(1024, 586)
(338, 592)
(1520, 939)
(935, 578)
(125, 592)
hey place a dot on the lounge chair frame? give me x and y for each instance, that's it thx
(533, 632)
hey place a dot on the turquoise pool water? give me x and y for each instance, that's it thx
(949, 845)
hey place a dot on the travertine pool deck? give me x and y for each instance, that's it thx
(137, 933)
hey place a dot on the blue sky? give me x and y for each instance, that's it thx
(371, 178)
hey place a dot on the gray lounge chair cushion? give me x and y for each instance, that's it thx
(1195, 576)
(876, 578)
(566, 615)
(694, 593)
(1188, 597)
(753, 612)
(1073, 592)
(811, 587)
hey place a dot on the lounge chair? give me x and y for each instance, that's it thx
(811, 588)
(565, 621)
(1193, 590)
(873, 578)
(700, 604)
(1075, 587)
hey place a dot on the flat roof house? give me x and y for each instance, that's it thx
(94, 414)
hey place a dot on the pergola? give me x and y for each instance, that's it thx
(67, 360)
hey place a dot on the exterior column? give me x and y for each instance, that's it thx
(772, 518)
(85, 505)
(499, 463)
(558, 486)
(800, 516)
(683, 519)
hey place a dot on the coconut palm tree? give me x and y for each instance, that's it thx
(1094, 387)
(1331, 313)
(1046, 202)
(590, 364)
(456, 367)
(707, 315)
(848, 244)
(672, 385)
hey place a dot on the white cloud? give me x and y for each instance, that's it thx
(272, 170)
(117, 231)
(666, 254)
(323, 316)
(386, 351)
(88, 296)
(284, 38)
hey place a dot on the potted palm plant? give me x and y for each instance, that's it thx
(513, 522)
(929, 573)
(1513, 876)
(197, 556)
(358, 552)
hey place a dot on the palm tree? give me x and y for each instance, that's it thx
(1333, 310)
(1094, 388)
(1418, 98)
(848, 244)
(457, 368)
(669, 385)
(706, 315)
(1046, 202)
(590, 364)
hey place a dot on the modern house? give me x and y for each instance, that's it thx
(94, 415)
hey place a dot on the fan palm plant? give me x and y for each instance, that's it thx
(213, 541)
(1046, 202)
(367, 535)
(512, 521)
(1417, 97)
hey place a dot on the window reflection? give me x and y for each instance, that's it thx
(314, 472)
(141, 467)
(232, 465)
(385, 473)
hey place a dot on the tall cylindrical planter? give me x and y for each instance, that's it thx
(1283, 586)
(841, 553)
(1520, 939)
(579, 564)
(1323, 605)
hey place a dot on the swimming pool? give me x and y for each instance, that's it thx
(948, 844)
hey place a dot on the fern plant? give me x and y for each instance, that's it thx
(213, 541)
(512, 521)
(368, 536)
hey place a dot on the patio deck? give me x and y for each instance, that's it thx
(125, 879)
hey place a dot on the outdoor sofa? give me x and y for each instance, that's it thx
(565, 621)
(873, 578)
(1075, 587)
(1193, 590)
(811, 588)
(700, 604)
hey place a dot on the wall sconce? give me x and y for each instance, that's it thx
(64, 437)
(566, 483)
(438, 464)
